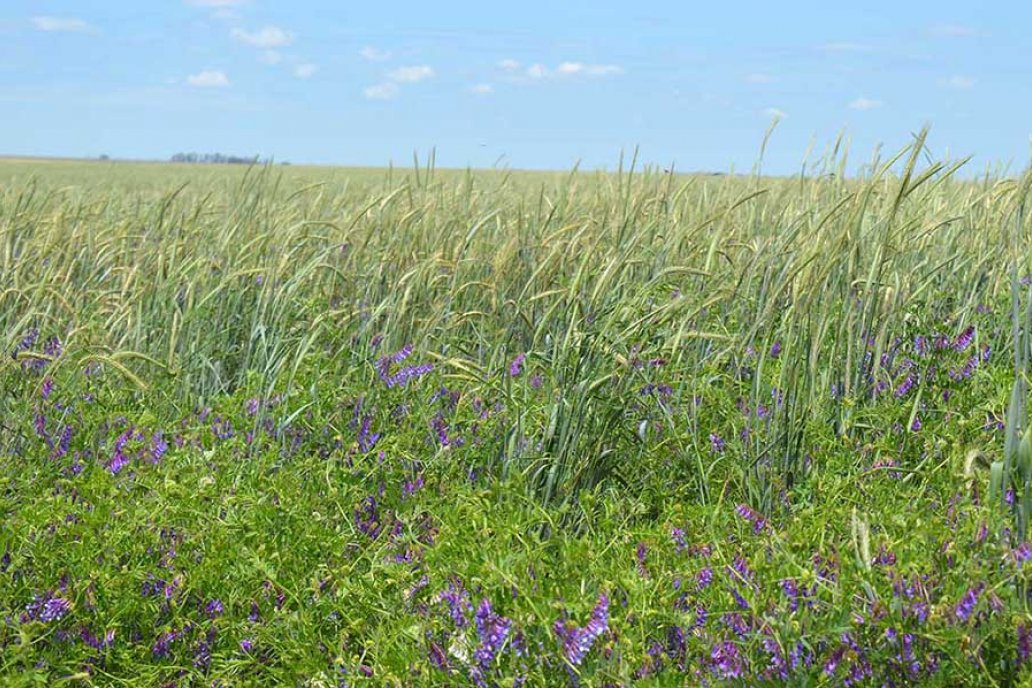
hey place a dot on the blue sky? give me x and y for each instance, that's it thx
(531, 84)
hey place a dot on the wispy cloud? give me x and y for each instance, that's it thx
(572, 69)
(537, 71)
(579, 68)
(411, 74)
(953, 31)
(271, 57)
(481, 89)
(305, 70)
(384, 91)
(70, 24)
(863, 103)
(209, 78)
(959, 81)
(374, 54)
(759, 78)
(266, 37)
(776, 113)
(226, 14)
(509, 65)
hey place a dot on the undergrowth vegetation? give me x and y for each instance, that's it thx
(278, 427)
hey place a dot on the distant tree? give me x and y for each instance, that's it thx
(217, 159)
(105, 156)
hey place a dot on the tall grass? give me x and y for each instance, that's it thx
(198, 290)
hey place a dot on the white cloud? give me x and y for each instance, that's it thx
(959, 81)
(271, 57)
(865, 104)
(216, 3)
(572, 69)
(226, 14)
(481, 89)
(759, 78)
(209, 78)
(579, 68)
(411, 74)
(374, 55)
(46, 23)
(266, 37)
(774, 112)
(384, 91)
(537, 71)
(953, 31)
(306, 70)
(509, 65)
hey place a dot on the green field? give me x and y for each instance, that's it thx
(337, 427)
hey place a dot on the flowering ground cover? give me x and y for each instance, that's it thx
(434, 428)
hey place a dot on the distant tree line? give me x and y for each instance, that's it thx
(216, 159)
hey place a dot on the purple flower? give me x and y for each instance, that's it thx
(96, 643)
(117, 462)
(921, 345)
(162, 643)
(402, 377)
(48, 387)
(158, 447)
(915, 426)
(963, 340)
(640, 554)
(967, 603)
(677, 535)
(366, 439)
(739, 570)
(905, 387)
(1024, 643)
(775, 350)
(27, 342)
(64, 442)
(726, 662)
(704, 578)
(214, 608)
(791, 590)
(367, 518)
(383, 366)
(247, 644)
(717, 443)
(457, 599)
(577, 642)
(884, 557)
(47, 608)
(516, 365)
(493, 630)
(757, 520)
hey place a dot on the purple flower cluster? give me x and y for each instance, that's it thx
(46, 608)
(759, 523)
(576, 641)
(516, 365)
(966, 607)
(963, 340)
(492, 630)
(367, 518)
(366, 438)
(457, 599)
(403, 376)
